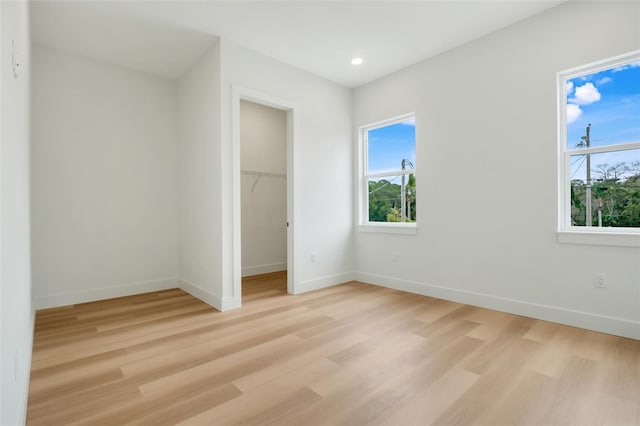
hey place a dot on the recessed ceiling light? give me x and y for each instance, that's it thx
(356, 61)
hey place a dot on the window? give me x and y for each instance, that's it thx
(599, 139)
(388, 190)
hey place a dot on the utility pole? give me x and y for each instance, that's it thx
(587, 142)
(600, 212)
(403, 213)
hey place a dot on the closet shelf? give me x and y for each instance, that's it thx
(258, 173)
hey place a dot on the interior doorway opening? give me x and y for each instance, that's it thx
(263, 196)
(263, 132)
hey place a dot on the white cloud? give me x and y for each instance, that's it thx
(573, 112)
(569, 87)
(604, 80)
(626, 67)
(586, 94)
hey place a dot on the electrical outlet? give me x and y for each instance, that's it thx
(394, 257)
(15, 59)
(600, 280)
(314, 257)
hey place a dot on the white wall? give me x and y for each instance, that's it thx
(16, 314)
(487, 184)
(263, 134)
(263, 143)
(323, 164)
(104, 173)
(200, 179)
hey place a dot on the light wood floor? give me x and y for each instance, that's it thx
(353, 354)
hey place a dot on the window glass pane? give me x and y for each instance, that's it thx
(385, 199)
(607, 100)
(389, 145)
(615, 189)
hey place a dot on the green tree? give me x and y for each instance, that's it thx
(615, 193)
(383, 197)
(385, 200)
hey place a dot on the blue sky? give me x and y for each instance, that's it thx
(389, 145)
(610, 101)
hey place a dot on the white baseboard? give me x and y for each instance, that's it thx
(611, 325)
(220, 303)
(263, 269)
(93, 294)
(318, 283)
(26, 377)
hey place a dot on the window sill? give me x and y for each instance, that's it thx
(616, 238)
(391, 228)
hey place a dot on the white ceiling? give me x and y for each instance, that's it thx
(166, 37)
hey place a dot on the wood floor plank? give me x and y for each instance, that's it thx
(432, 401)
(352, 354)
(72, 410)
(295, 356)
(184, 408)
(260, 401)
(495, 384)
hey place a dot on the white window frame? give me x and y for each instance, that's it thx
(592, 235)
(365, 224)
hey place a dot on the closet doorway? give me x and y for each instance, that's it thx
(264, 134)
